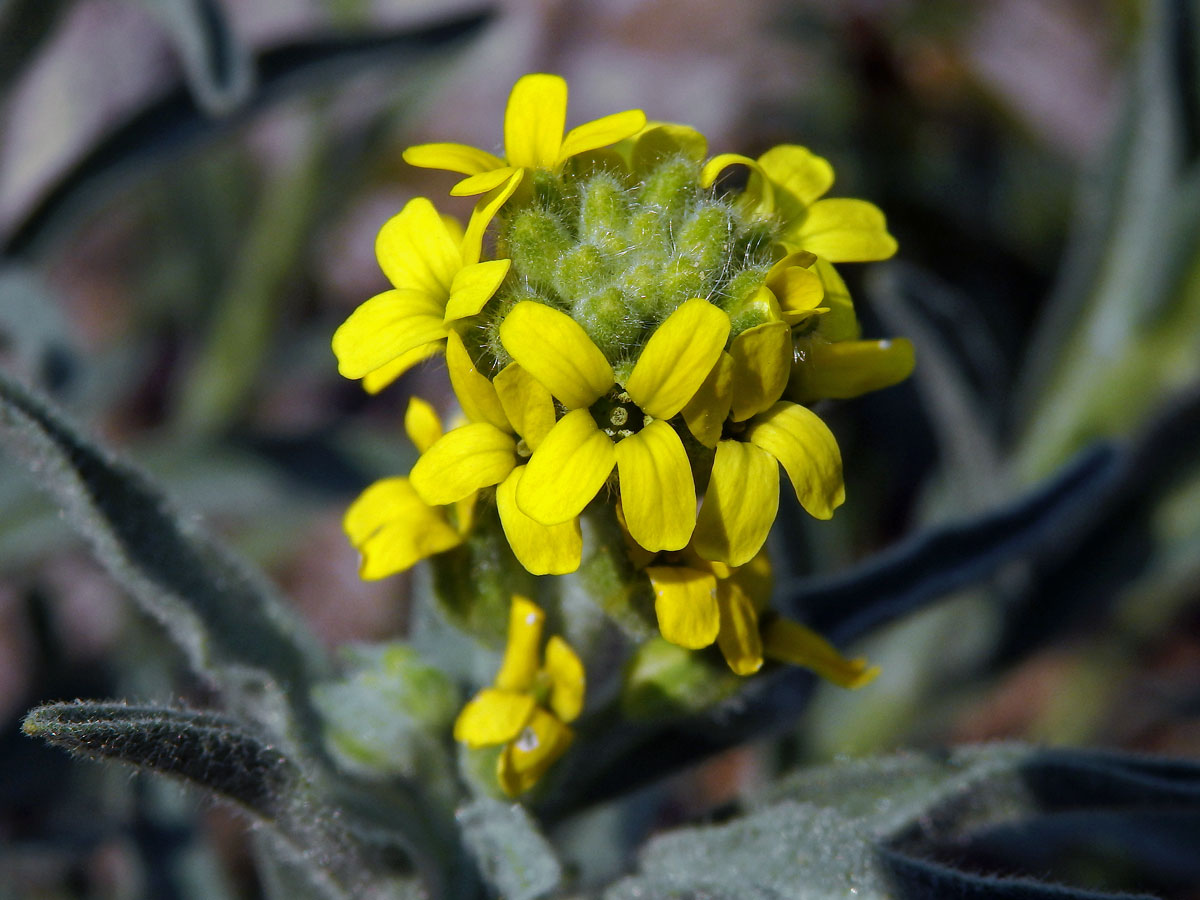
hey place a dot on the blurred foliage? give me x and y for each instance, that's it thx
(1019, 551)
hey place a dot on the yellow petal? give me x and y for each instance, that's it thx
(522, 650)
(602, 132)
(793, 643)
(798, 287)
(567, 680)
(755, 579)
(526, 759)
(527, 404)
(663, 139)
(541, 549)
(739, 505)
(554, 349)
(493, 717)
(685, 601)
(639, 556)
(415, 250)
(386, 327)
(485, 182)
(762, 361)
(848, 368)
(475, 392)
(658, 494)
(421, 424)
(738, 638)
(677, 358)
(461, 462)
(840, 323)
(485, 210)
(843, 230)
(798, 171)
(452, 157)
(393, 528)
(759, 195)
(534, 121)
(808, 451)
(706, 412)
(567, 470)
(719, 163)
(473, 286)
(375, 381)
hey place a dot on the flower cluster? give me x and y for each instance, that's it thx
(529, 705)
(628, 334)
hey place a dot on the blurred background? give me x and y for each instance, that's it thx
(189, 194)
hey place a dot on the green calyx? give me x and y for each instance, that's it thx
(619, 253)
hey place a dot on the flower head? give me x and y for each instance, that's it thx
(529, 705)
(621, 332)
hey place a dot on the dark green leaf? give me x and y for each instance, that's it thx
(317, 837)
(208, 750)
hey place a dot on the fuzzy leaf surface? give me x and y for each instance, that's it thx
(229, 622)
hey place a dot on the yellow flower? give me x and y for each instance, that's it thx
(390, 525)
(437, 279)
(529, 704)
(533, 138)
(698, 602)
(576, 458)
(509, 418)
(738, 411)
(788, 181)
(844, 369)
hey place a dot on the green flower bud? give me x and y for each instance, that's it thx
(604, 316)
(672, 188)
(667, 680)
(604, 213)
(583, 270)
(536, 241)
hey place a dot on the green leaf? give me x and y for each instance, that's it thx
(513, 856)
(206, 749)
(318, 837)
(816, 833)
(895, 826)
(788, 850)
(389, 715)
(229, 622)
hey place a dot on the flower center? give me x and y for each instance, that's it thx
(618, 416)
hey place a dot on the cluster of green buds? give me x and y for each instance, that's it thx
(630, 340)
